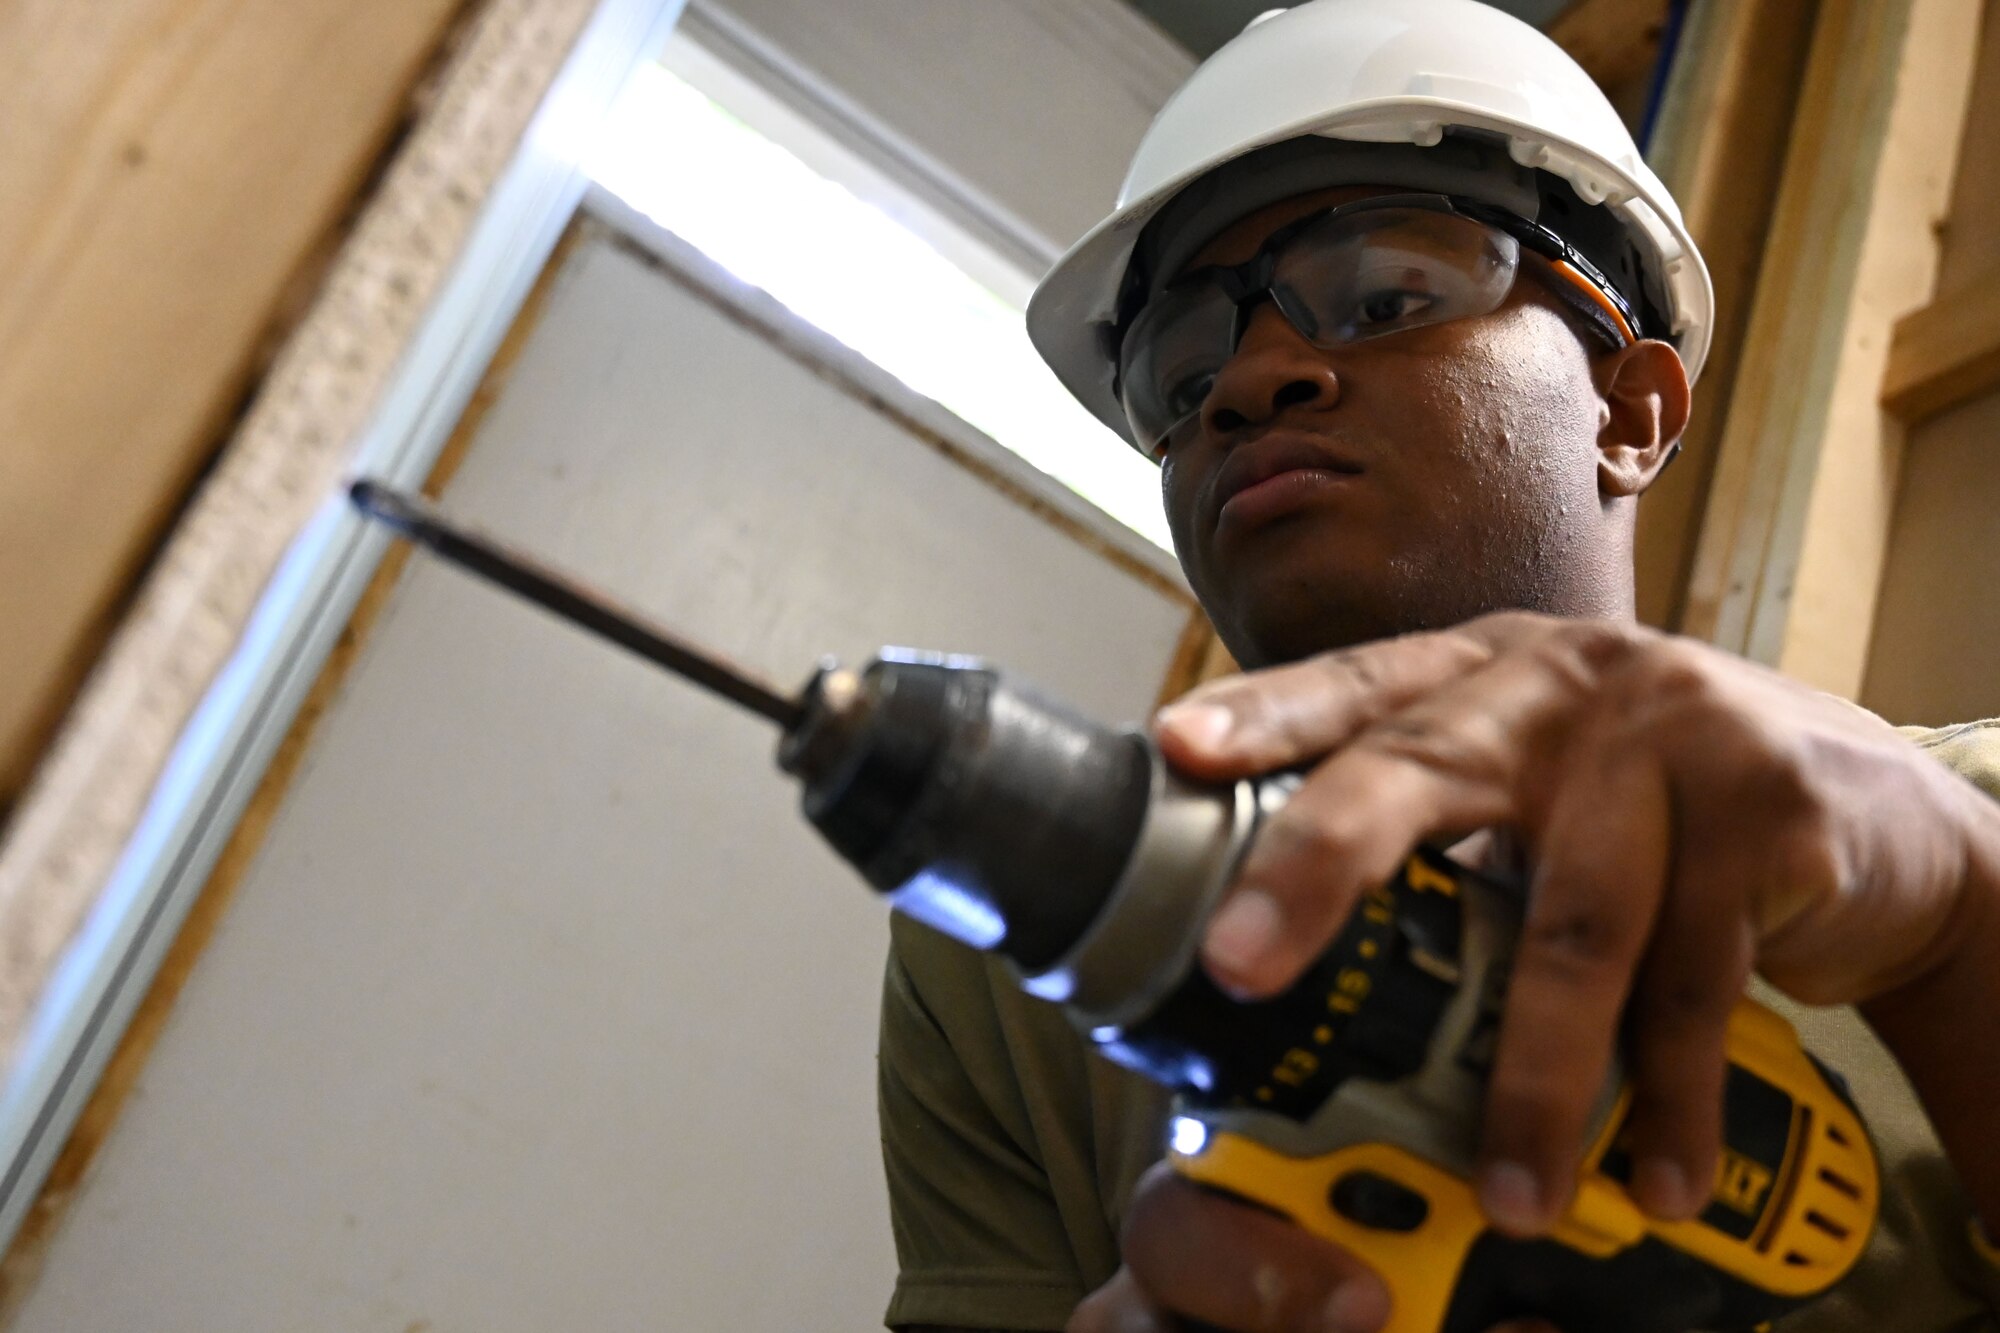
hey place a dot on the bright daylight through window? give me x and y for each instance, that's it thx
(863, 277)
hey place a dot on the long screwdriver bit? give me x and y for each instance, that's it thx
(559, 593)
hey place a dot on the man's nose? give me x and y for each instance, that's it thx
(1273, 370)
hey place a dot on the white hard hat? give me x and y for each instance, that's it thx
(1449, 95)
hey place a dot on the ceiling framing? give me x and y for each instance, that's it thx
(1616, 41)
(1203, 25)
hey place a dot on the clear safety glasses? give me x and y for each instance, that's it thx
(1358, 271)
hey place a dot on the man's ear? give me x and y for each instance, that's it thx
(1644, 389)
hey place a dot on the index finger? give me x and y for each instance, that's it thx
(1281, 717)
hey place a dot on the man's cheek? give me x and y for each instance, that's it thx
(1175, 501)
(1177, 487)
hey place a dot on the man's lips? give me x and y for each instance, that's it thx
(1275, 470)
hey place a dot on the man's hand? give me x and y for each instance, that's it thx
(1689, 817)
(1196, 1259)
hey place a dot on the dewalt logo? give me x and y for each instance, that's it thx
(1741, 1183)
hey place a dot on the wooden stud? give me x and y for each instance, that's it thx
(171, 166)
(1720, 147)
(1616, 41)
(1946, 354)
(1791, 342)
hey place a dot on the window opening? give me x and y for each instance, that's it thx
(864, 276)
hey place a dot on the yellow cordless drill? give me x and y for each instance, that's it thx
(1350, 1103)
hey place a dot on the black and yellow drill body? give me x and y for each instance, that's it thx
(1351, 1102)
(1377, 1157)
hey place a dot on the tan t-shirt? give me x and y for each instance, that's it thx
(1011, 1149)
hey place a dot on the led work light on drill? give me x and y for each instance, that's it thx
(1349, 1103)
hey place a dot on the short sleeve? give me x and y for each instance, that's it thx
(1970, 749)
(979, 1237)
(1985, 1265)
(1929, 1268)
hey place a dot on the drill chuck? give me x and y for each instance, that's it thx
(1011, 824)
(932, 777)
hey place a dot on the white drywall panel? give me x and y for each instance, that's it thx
(541, 1007)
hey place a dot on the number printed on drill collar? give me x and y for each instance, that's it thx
(1298, 1067)
(1350, 988)
(1398, 925)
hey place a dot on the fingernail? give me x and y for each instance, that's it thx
(1203, 726)
(1356, 1306)
(1511, 1198)
(1660, 1186)
(1243, 932)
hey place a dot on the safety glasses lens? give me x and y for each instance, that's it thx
(1345, 279)
(1170, 359)
(1382, 272)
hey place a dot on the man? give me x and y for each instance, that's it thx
(1406, 392)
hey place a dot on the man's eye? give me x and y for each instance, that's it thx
(1390, 306)
(1186, 394)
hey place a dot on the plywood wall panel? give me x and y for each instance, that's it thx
(170, 164)
(1935, 657)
